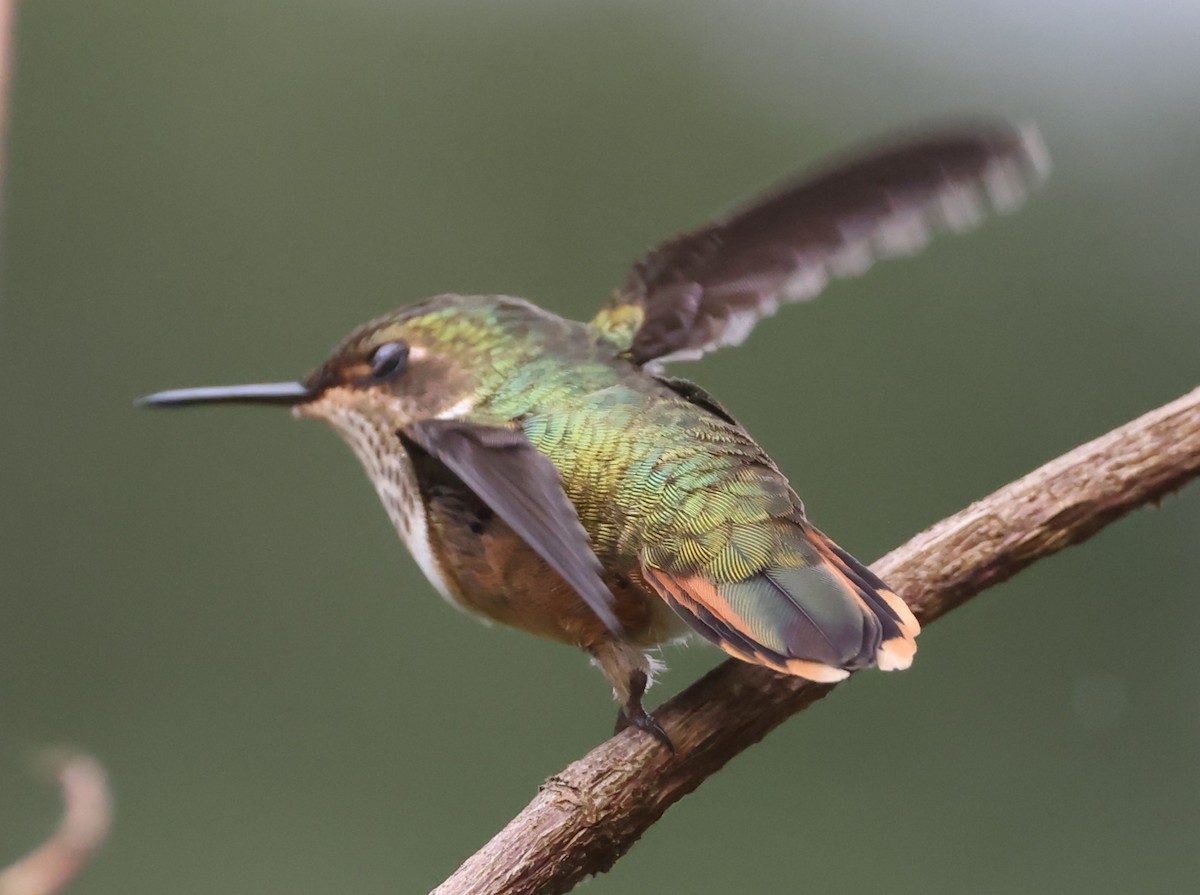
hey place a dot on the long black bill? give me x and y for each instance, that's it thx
(263, 393)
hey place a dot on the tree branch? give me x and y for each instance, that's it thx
(587, 816)
(7, 20)
(86, 817)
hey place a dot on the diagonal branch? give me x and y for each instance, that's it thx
(587, 816)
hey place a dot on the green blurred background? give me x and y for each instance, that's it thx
(215, 605)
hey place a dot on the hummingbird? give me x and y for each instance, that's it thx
(549, 475)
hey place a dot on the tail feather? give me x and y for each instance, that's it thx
(819, 620)
(706, 611)
(871, 584)
(900, 627)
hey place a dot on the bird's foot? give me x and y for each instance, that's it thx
(632, 713)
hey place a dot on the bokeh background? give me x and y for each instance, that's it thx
(214, 604)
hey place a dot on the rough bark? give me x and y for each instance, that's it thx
(587, 816)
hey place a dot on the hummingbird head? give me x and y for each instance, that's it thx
(431, 360)
(409, 365)
(428, 360)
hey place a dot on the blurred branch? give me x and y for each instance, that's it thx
(86, 817)
(7, 21)
(591, 813)
(87, 810)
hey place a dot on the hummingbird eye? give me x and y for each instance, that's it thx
(388, 360)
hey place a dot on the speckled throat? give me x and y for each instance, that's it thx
(376, 445)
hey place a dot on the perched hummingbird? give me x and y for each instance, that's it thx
(546, 473)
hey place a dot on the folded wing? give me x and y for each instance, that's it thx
(524, 489)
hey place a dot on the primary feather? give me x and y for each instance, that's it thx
(708, 288)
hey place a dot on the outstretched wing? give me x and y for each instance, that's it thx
(706, 289)
(524, 489)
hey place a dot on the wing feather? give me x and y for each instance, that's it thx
(524, 489)
(707, 289)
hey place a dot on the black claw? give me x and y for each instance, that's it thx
(649, 723)
(633, 714)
